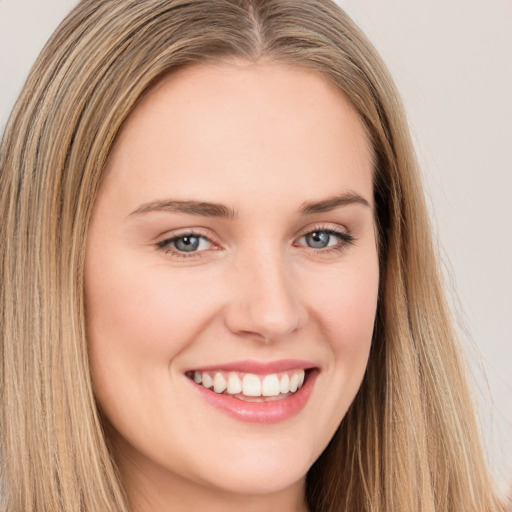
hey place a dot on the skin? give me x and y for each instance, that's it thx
(262, 139)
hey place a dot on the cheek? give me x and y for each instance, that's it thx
(345, 308)
(343, 303)
(138, 304)
(138, 321)
(346, 304)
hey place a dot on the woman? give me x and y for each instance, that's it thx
(218, 284)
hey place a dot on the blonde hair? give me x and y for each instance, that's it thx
(409, 441)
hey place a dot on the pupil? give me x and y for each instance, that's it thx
(318, 239)
(187, 243)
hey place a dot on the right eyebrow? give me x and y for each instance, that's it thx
(199, 208)
(331, 203)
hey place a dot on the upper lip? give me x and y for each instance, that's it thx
(258, 367)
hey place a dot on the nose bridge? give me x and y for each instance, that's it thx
(265, 301)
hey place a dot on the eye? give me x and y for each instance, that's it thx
(185, 244)
(319, 239)
(326, 239)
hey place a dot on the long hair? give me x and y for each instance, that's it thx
(409, 442)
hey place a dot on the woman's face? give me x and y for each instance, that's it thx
(232, 242)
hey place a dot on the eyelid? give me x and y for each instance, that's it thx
(328, 227)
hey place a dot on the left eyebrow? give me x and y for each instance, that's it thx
(332, 203)
(200, 208)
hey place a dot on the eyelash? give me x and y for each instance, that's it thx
(344, 239)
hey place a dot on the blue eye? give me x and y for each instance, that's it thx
(318, 239)
(189, 243)
(326, 239)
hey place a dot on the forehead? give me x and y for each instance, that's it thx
(252, 125)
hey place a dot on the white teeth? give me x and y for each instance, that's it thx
(294, 382)
(207, 380)
(219, 383)
(251, 385)
(270, 385)
(234, 384)
(284, 385)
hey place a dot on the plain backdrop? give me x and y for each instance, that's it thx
(452, 62)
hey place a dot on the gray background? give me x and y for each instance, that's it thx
(452, 61)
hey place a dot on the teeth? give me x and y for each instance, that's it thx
(219, 383)
(234, 384)
(270, 385)
(207, 380)
(294, 383)
(250, 384)
(284, 386)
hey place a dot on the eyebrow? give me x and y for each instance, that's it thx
(332, 203)
(200, 208)
(205, 209)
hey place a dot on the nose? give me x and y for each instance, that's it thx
(265, 303)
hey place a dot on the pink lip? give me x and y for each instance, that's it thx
(258, 367)
(260, 412)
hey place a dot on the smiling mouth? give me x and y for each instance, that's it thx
(251, 387)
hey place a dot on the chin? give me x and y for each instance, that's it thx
(258, 481)
(260, 471)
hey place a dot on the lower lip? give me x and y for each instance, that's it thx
(261, 412)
